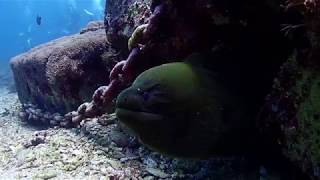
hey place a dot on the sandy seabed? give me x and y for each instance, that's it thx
(92, 152)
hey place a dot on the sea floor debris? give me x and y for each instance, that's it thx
(93, 152)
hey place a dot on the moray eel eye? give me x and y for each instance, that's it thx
(144, 94)
(152, 96)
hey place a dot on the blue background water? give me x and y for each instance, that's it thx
(19, 31)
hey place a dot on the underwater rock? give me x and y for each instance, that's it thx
(121, 18)
(45, 175)
(120, 138)
(157, 173)
(170, 32)
(32, 114)
(289, 120)
(173, 33)
(104, 135)
(93, 26)
(38, 138)
(59, 75)
(120, 22)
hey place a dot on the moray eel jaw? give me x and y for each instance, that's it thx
(141, 111)
(156, 131)
(136, 120)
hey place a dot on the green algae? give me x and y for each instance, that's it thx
(303, 140)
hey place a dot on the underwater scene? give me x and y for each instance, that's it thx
(160, 89)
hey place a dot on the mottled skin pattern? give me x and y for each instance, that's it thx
(182, 110)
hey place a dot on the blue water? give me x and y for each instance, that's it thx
(19, 31)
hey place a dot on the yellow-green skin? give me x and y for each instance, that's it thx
(183, 110)
(136, 36)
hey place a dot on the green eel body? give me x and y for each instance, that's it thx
(183, 110)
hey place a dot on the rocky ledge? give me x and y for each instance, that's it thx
(59, 75)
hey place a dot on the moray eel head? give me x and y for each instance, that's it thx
(173, 109)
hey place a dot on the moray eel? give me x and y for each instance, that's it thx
(183, 110)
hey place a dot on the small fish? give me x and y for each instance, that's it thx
(38, 20)
(29, 42)
(65, 31)
(21, 34)
(88, 12)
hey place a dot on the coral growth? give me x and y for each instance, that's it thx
(59, 75)
(290, 116)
